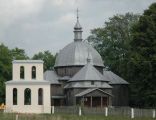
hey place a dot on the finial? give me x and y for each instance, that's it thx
(77, 29)
(77, 13)
(88, 57)
(88, 60)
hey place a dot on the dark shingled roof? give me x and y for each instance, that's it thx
(88, 72)
(83, 85)
(51, 76)
(90, 90)
(76, 53)
(113, 78)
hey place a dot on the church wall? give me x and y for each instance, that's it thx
(120, 95)
(70, 93)
(34, 107)
(67, 71)
(69, 96)
(72, 70)
(56, 90)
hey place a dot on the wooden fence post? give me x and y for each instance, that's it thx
(53, 109)
(80, 112)
(106, 111)
(132, 113)
(154, 113)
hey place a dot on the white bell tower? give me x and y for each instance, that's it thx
(28, 92)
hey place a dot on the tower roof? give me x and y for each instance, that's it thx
(88, 73)
(113, 78)
(76, 53)
(77, 25)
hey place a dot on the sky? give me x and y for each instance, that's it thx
(39, 25)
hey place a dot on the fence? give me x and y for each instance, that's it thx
(108, 111)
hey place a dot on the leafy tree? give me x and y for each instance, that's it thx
(5, 70)
(19, 54)
(128, 47)
(143, 59)
(112, 41)
(47, 57)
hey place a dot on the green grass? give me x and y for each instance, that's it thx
(7, 116)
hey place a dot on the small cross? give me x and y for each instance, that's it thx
(77, 13)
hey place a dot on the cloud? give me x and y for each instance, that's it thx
(38, 25)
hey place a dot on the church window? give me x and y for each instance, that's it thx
(40, 96)
(27, 96)
(15, 96)
(22, 72)
(92, 82)
(33, 72)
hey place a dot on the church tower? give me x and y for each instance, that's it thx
(28, 92)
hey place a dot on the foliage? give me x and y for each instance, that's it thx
(19, 54)
(47, 57)
(112, 40)
(143, 59)
(5, 69)
(128, 47)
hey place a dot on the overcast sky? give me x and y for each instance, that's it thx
(38, 25)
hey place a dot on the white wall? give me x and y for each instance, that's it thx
(28, 69)
(34, 107)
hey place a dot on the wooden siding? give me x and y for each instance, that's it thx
(72, 70)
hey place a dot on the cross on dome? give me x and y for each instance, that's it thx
(77, 13)
(77, 29)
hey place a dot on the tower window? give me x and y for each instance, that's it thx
(92, 82)
(33, 72)
(40, 96)
(15, 96)
(22, 72)
(27, 96)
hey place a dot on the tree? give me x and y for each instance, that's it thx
(112, 41)
(19, 54)
(5, 70)
(47, 57)
(143, 59)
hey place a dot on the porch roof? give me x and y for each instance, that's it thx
(90, 90)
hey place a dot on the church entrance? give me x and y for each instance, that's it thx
(94, 98)
(95, 101)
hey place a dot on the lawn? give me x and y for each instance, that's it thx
(7, 116)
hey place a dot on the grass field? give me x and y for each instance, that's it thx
(6, 116)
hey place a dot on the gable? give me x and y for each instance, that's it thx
(96, 93)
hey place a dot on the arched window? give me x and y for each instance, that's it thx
(22, 72)
(40, 96)
(15, 96)
(27, 96)
(33, 72)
